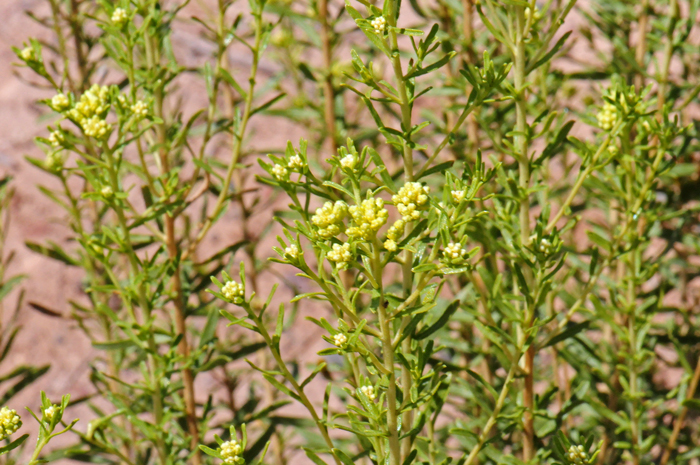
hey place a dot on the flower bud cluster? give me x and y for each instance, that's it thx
(56, 138)
(291, 252)
(340, 255)
(54, 161)
(230, 451)
(88, 111)
(379, 24)
(369, 392)
(340, 340)
(368, 217)
(329, 219)
(411, 199)
(394, 234)
(348, 161)
(60, 102)
(92, 103)
(577, 455)
(140, 109)
(458, 196)
(530, 17)
(119, 17)
(296, 163)
(233, 291)
(9, 422)
(27, 54)
(280, 172)
(607, 116)
(545, 246)
(96, 127)
(454, 253)
(50, 411)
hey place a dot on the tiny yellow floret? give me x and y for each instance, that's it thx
(139, 109)
(280, 172)
(411, 199)
(60, 102)
(340, 339)
(9, 422)
(340, 255)
(230, 452)
(369, 392)
(577, 455)
(27, 54)
(379, 24)
(233, 291)
(329, 219)
(119, 16)
(50, 411)
(368, 217)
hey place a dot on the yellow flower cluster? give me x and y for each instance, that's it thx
(577, 455)
(119, 16)
(411, 198)
(9, 422)
(56, 138)
(296, 163)
(454, 253)
(368, 217)
(607, 117)
(369, 392)
(348, 161)
(340, 339)
(458, 196)
(379, 24)
(50, 411)
(27, 54)
(340, 255)
(87, 112)
(233, 291)
(54, 161)
(280, 172)
(60, 102)
(96, 127)
(139, 109)
(329, 219)
(394, 234)
(292, 252)
(93, 102)
(230, 451)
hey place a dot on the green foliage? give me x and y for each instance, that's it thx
(487, 229)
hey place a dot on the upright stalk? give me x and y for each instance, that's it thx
(407, 267)
(328, 91)
(521, 145)
(176, 282)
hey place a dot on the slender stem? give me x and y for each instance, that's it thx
(521, 144)
(388, 354)
(176, 281)
(407, 267)
(238, 136)
(491, 422)
(692, 388)
(328, 91)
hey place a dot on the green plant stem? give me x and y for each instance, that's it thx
(491, 422)
(171, 245)
(521, 144)
(328, 91)
(407, 267)
(238, 136)
(635, 427)
(320, 424)
(678, 424)
(388, 354)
